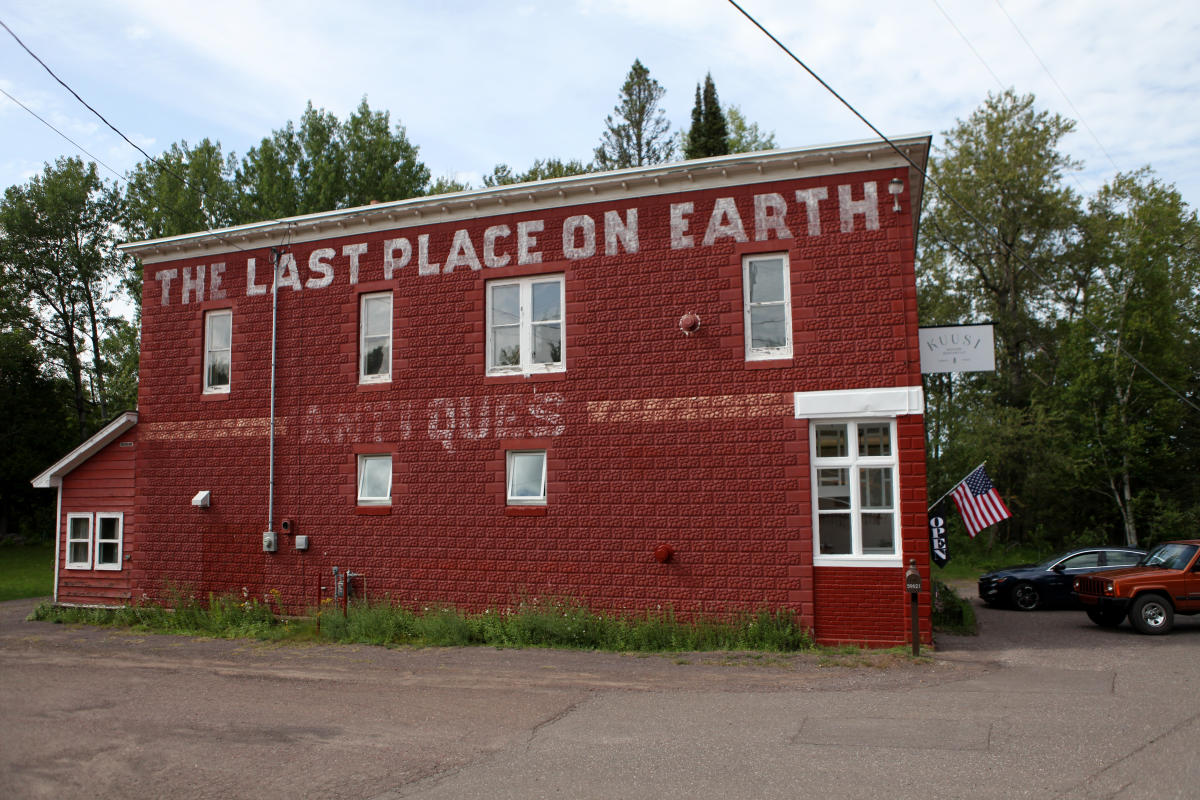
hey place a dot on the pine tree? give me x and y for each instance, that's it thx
(709, 134)
(640, 134)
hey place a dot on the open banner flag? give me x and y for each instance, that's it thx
(978, 502)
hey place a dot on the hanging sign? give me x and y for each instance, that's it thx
(957, 348)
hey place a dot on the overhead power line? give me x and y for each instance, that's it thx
(979, 224)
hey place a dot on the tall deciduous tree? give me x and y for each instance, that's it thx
(637, 133)
(745, 136)
(325, 164)
(186, 189)
(57, 247)
(1137, 330)
(709, 133)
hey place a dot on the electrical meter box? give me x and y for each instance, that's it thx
(270, 541)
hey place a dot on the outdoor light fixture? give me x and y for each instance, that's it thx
(895, 187)
(202, 499)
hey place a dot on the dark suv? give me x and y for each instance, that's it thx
(1164, 583)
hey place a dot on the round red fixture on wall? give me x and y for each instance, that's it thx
(663, 553)
(689, 323)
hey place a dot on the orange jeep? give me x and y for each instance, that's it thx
(1165, 582)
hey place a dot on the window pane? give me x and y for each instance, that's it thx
(81, 528)
(106, 553)
(79, 550)
(218, 369)
(767, 326)
(107, 528)
(375, 478)
(1122, 559)
(834, 533)
(525, 475)
(377, 356)
(545, 301)
(377, 316)
(506, 346)
(547, 343)
(218, 331)
(875, 440)
(875, 487)
(833, 489)
(766, 280)
(877, 533)
(506, 305)
(831, 441)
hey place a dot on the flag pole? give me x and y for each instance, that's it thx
(932, 506)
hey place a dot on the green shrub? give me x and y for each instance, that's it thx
(951, 613)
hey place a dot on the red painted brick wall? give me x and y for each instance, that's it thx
(653, 437)
(105, 482)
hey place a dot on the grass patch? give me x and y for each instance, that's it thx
(26, 570)
(951, 613)
(556, 624)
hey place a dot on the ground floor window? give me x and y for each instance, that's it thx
(854, 488)
(375, 480)
(526, 477)
(94, 541)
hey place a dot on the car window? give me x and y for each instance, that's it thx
(1081, 561)
(1122, 558)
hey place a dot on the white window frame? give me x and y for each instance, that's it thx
(386, 375)
(209, 316)
(526, 366)
(508, 479)
(87, 540)
(767, 353)
(854, 462)
(371, 500)
(120, 540)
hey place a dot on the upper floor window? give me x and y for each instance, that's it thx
(375, 338)
(525, 326)
(218, 349)
(767, 294)
(854, 486)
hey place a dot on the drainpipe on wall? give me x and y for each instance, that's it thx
(275, 253)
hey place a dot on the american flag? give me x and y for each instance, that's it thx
(978, 502)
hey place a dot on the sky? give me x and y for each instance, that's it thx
(481, 83)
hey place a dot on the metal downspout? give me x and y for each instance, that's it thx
(271, 456)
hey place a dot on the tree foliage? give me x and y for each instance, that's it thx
(745, 136)
(637, 133)
(324, 164)
(709, 133)
(57, 252)
(1094, 307)
(540, 170)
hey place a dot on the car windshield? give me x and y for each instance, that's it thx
(1170, 556)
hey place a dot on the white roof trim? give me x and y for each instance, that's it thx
(703, 173)
(102, 438)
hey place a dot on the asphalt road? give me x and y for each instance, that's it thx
(1038, 705)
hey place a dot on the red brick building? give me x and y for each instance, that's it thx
(528, 391)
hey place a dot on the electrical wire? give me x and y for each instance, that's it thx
(979, 224)
(78, 146)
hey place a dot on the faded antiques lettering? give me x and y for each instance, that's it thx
(774, 216)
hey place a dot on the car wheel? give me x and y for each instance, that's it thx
(1025, 596)
(1152, 613)
(1105, 619)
